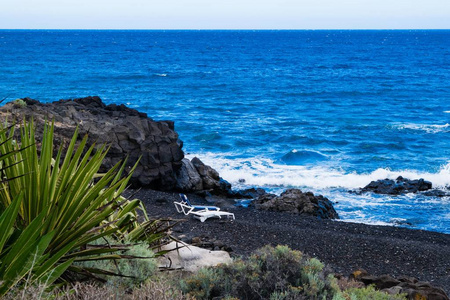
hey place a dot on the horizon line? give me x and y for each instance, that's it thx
(228, 29)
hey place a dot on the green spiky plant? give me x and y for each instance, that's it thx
(52, 208)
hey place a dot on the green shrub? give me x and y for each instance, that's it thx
(138, 269)
(19, 103)
(269, 273)
(202, 284)
(367, 293)
(277, 274)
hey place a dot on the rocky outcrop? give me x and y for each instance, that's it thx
(397, 187)
(412, 287)
(188, 178)
(195, 176)
(295, 201)
(129, 133)
(438, 193)
(251, 193)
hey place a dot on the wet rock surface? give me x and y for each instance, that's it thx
(397, 187)
(297, 202)
(438, 193)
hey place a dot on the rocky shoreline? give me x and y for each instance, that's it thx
(298, 219)
(343, 246)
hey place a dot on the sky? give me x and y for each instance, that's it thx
(225, 14)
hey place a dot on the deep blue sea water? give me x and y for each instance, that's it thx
(325, 111)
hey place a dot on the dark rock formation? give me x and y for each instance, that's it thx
(188, 178)
(209, 243)
(397, 187)
(437, 193)
(128, 132)
(195, 176)
(295, 201)
(411, 286)
(251, 193)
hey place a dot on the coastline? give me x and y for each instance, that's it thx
(343, 246)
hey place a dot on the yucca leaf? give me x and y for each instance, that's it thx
(53, 259)
(56, 272)
(96, 271)
(80, 255)
(7, 219)
(66, 205)
(22, 247)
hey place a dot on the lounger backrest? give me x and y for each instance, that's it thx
(182, 207)
(184, 198)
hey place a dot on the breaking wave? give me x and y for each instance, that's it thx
(264, 172)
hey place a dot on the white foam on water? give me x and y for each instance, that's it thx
(264, 172)
(429, 128)
(366, 221)
(409, 210)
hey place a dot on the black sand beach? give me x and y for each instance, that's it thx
(343, 246)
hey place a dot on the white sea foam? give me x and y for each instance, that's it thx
(447, 111)
(266, 173)
(429, 128)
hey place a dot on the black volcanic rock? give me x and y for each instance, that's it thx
(397, 187)
(195, 176)
(130, 133)
(251, 193)
(437, 193)
(295, 201)
(412, 287)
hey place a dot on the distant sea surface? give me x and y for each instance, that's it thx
(324, 111)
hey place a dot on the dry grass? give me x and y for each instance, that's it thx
(345, 283)
(157, 290)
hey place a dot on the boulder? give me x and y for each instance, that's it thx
(397, 187)
(414, 288)
(191, 258)
(195, 176)
(380, 282)
(437, 193)
(250, 193)
(295, 201)
(188, 178)
(129, 133)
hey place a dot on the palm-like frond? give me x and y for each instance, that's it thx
(54, 206)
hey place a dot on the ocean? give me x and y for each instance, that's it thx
(323, 111)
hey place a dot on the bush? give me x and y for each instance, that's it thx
(270, 273)
(19, 103)
(277, 274)
(367, 293)
(137, 270)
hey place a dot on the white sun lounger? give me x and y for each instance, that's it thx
(203, 214)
